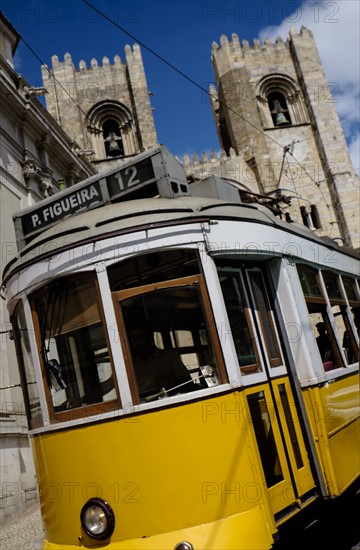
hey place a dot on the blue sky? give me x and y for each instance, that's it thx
(182, 32)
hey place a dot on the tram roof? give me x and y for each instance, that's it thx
(146, 191)
(136, 215)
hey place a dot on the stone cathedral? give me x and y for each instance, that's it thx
(105, 108)
(280, 136)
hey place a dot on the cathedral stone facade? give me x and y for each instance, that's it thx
(275, 115)
(275, 111)
(105, 108)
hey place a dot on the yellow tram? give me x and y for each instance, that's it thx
(249, 411)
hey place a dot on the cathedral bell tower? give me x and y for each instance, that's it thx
(274, 108)
(104, 108)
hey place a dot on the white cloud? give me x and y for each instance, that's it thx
(335, 26)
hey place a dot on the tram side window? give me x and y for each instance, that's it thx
(27, 372)
(341, 317)
(240, 323)
(323, 328)
(265, 316)
(352, 291)
(167, 339)
(74, 349)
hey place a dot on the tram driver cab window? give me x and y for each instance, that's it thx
(157, 370)
(73, 348)
(166, 326)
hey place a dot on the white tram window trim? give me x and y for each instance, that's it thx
(329, 376)
(254, 320)
(246, 374)
(348, 309)
(73, 349)
(113, 335)
(247, 378)
(275, 370)
(331, 317)
(36, 362)
(294, 312)
(220, 315)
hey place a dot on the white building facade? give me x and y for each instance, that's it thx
(35, 155)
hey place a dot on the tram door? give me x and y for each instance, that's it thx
(271, 406)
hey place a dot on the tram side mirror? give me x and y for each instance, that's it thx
(53, 372)
(209, 375)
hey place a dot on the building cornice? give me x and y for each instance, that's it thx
(29, 112)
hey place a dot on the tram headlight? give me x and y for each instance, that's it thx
(184, 545)
(97, 519)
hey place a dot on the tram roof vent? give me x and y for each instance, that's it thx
(215, 188)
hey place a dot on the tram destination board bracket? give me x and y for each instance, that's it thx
(154, 172)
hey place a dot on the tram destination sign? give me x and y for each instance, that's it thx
(154, 172)
(46, 215)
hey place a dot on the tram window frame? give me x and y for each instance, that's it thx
(340, 310)
(272, 366)
(257, 366)
(352, 296)
(353, 299)
(278, 360)
(154, 266)
(214, 343)
(67, 413)
(318, 303)
(26, 369)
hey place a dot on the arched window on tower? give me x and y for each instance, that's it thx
(280, 102)
(112, 139)
(315, 216)
(278, 109)
(112, 130)
(311, 218)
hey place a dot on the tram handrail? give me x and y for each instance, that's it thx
(164, 392)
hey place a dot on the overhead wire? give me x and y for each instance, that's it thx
(173, 67)
(53, 76)
(192, 81)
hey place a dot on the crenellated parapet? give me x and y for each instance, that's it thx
(226, 54)
(57, 64)
(230, 54)
(217, 163)
(275, 93)
(82, 98)
(83, 83)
